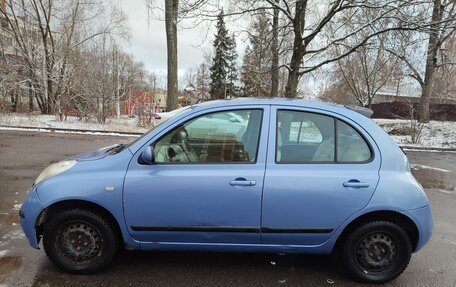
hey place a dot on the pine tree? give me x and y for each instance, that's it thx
(257, 61)
(232, 71)
(220, 62)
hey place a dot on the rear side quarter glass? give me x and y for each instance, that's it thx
(351, 146)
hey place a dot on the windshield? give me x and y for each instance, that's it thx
(172, 113)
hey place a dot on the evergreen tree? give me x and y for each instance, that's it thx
(232, 71)
(257, 61)
(220, 62)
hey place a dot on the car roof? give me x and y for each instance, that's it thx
(286, 102)
(266, 101)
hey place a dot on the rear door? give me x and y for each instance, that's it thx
(321, 169)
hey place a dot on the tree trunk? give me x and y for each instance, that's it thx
(275, 54)
(293, 80)
(431, 63)
(298, 48)
(30, 96)
(171, 10)
(50, 97)
(293, 74)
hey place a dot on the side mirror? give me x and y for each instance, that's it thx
(147, 155)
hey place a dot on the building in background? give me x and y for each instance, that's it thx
(144, 103)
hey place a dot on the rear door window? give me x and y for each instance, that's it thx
(304, 137)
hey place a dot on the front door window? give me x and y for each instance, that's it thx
(228, 136)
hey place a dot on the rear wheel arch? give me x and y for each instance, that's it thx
(390, 216)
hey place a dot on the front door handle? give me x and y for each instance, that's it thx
(355, 183)
(242, 182)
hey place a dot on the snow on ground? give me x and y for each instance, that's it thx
(433, 135)
(123, 124)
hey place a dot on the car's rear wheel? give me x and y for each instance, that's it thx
(376, 252)
(80, 241)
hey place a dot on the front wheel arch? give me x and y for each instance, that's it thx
(60, 206)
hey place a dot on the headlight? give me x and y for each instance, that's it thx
(55, 169)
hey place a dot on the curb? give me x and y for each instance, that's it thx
(423, 148)
(80, 131)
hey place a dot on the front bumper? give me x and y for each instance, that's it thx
(30, 210)
(424, 222)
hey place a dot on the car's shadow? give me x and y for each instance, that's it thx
(205, 269)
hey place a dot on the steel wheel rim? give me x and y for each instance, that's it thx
(377, 252)
(79, 242)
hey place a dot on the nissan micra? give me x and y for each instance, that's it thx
(250, 175)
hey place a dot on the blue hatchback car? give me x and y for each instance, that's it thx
(250, 175)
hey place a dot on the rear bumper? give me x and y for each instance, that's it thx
(30, 210)
(424, 222)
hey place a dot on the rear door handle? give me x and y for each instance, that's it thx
(242, 182)
(355, 183)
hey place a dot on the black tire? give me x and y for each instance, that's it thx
(376, 252)
(80, 241)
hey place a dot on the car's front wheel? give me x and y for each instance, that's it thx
(376, 252)
(80, 241)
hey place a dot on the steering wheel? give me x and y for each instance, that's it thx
(188, 149)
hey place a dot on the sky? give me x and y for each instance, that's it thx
(147, 41)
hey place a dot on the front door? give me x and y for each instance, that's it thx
(320, 171)
(206, 183)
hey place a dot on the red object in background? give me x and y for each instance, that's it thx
(3, 5)
(72, 112)
(138, 100)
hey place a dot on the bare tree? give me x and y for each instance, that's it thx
(442, 26)
(444, 83)
(171, 13)
(47, 32)
(203, 79)
(174, 11)
(369, 68)
(438, 27)
(319, 27)
(275, 53)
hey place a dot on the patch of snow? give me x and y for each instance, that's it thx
(15, 234)
(420, 166)
(3, 253)
(429, 150)
(441, 190)
(123, 124)
(17, 206)
(434, 134)
(68, 132)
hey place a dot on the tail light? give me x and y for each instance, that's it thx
(157, 117)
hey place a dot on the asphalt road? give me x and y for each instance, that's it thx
(24, 154)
